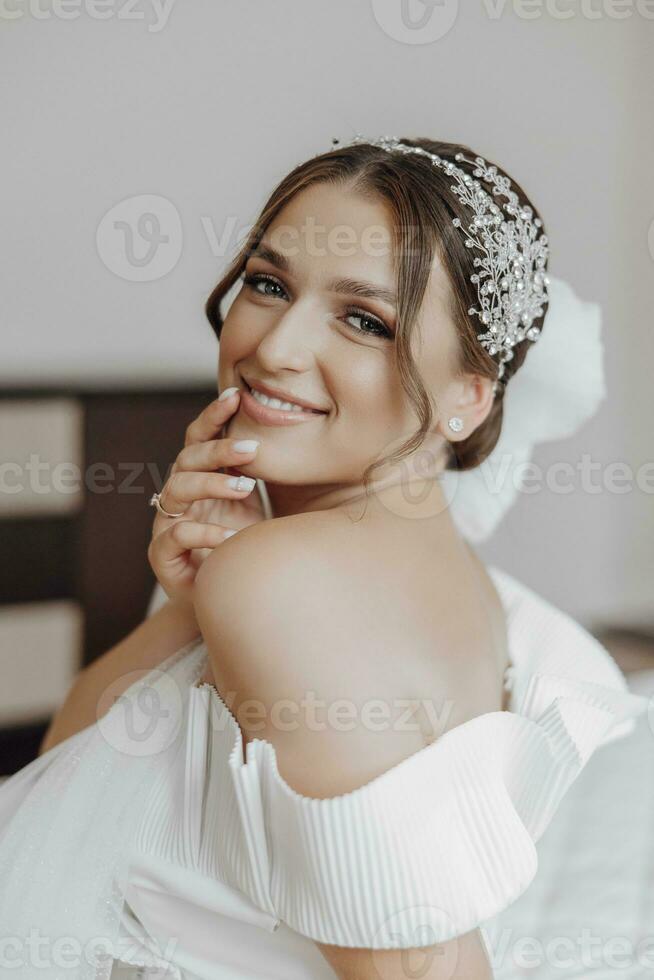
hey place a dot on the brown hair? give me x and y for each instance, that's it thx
(423, 205)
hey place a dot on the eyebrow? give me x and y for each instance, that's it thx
(355, 287)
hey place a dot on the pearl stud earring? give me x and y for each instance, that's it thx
(455, 423)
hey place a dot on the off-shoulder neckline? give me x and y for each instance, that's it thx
(413, 757)
(247, 748)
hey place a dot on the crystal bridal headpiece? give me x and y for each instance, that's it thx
(561, 383)
(511, 280)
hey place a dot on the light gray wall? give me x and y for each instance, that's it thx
(210, 108)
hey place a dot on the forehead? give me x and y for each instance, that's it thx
(330, 225)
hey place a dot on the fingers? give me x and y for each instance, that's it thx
(202, 451)
(216, 453)
(187, 535)
(185, 487)
(168, 552)
(213, 417)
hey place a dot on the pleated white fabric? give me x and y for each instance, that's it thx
(240, 872)
(66, 820)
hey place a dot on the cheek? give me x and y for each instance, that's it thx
(236, 340)
(371, 397)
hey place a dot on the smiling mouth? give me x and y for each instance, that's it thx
(277, 404)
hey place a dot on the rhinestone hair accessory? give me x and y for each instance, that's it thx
(511, 280)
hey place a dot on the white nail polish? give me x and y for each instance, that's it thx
(246, 482)
(246, 445)
(226, 393)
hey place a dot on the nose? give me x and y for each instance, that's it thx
(291, 340)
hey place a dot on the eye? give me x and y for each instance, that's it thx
(375, 326)
(252, 281)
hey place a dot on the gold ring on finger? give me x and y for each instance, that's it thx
(155, 501)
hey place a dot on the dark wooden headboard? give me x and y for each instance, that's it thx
(94, 557)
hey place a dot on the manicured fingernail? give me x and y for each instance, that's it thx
(228, 534)
(226, 394)
(246, 445)
(247, 482)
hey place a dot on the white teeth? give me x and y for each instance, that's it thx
(276, 403)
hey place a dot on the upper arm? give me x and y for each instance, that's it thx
(299, 649)
(463, 958)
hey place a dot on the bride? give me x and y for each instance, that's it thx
(332, 749)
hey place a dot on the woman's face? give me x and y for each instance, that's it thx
(302, 325)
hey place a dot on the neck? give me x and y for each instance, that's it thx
(400, 490)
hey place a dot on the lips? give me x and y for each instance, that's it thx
(283, 396)
(265, 415)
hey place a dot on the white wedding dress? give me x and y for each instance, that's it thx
(156, 843)
(188, 853)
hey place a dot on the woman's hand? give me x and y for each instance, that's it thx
(212, 509)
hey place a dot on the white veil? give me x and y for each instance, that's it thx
(557, 389)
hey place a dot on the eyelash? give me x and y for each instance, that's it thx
(252, 280)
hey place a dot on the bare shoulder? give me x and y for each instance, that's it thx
(256, 548)
(336, 645)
